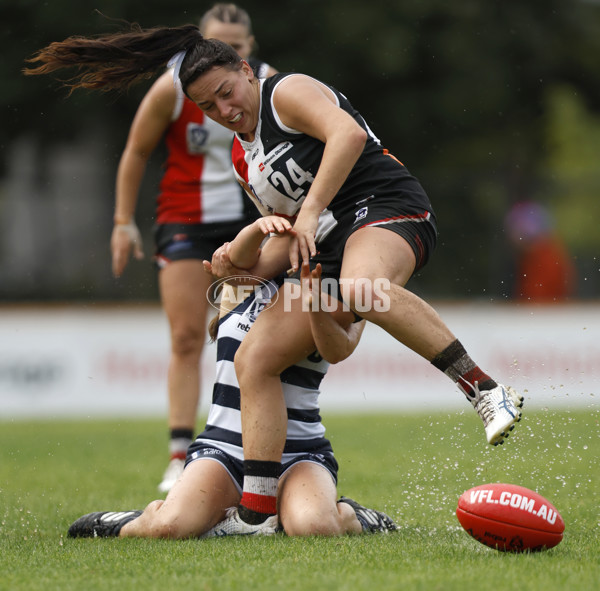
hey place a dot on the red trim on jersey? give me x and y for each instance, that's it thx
(386, 152)
(237, 157)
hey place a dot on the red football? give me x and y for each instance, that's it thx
(510, 518)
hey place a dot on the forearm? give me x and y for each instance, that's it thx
(274, 258)
(244, 250)
(334, 341)
(339, 157)
(271, 260)
(129, 178)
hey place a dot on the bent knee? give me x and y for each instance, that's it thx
(311, 524)
(250, 364)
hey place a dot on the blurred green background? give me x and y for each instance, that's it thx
(487, 103)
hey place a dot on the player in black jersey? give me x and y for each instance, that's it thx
(370, 230)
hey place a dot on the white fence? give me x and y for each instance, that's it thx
(60, 361)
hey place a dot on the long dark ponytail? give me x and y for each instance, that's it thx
(118, 60)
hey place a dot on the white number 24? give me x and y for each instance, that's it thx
(295, 175)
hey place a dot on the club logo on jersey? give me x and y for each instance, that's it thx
(260, 302)
(361, 214)
(196, 138)
(262, 298)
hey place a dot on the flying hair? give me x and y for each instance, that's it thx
(118, 60)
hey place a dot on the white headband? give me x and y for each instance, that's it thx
(175, 63)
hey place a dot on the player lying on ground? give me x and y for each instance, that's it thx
(211, 482)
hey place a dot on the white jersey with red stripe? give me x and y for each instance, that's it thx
(198, 185)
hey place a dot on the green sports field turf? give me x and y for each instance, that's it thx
(412, 466)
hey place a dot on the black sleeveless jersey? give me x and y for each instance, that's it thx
(279, 165)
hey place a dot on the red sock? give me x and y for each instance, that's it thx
(461, 369)
(259, 496)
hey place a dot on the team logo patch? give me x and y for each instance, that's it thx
(361, 214)
(196, 138)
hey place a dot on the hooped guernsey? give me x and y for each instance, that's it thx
(300, 384)
(278, 167)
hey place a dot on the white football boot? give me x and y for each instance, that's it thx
(498, 409)
(233, 525)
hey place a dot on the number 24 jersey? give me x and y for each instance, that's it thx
(278, 167)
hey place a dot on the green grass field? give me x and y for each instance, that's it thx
(412, 466)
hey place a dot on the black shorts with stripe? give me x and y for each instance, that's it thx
(414, 222)
(176, 242)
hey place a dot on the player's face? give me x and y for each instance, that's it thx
(229, 97)
(234, 34)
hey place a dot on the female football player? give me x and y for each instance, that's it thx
(303, 152)
(211, 484)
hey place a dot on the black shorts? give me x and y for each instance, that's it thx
(416, 225)
(176, 242)
(235, 467)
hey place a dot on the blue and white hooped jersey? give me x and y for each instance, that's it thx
(305, 432)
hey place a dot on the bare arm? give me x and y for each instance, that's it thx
(244, 251)
(149, 124)
(246, 255)
(308, 106)
(336, 335)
